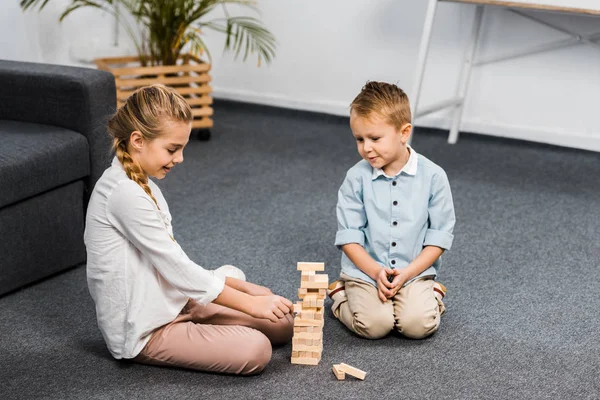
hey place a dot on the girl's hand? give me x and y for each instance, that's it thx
(383, 284)
(254, 290)
(247, 287)
(271, 307)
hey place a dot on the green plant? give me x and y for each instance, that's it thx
(169, 25)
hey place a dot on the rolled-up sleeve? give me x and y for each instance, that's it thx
(134, 214)
(351, 214)
(441, 213)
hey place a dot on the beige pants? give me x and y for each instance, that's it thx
(216, 339)
(414, 311)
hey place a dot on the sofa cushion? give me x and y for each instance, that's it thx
(35, 158)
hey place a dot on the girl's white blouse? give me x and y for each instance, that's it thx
(138, 276)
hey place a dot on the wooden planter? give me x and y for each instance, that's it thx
(189, 78)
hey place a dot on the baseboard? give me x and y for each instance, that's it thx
(277, 100)
(556, 137)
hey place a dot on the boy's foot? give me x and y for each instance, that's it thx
(334, 288)
(336, 292)
(439, 291)
(230, 271)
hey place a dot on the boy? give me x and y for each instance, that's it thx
(395, 219)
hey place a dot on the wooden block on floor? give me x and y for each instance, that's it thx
(339, 374)
(355, 372)
(310, 266)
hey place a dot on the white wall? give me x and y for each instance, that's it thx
(329, 49)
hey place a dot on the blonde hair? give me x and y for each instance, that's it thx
(145, 111)
(385, 100)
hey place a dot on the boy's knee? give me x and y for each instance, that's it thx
(258, 354)
(374, 326)
(417, 325)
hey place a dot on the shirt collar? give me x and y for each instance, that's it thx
(410, 168)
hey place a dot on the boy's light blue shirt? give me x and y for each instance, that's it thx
(393, 218)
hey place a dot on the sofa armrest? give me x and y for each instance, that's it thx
(80, 99)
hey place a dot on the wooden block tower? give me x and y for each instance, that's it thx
(307, 343)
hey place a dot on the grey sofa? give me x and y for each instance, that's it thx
(53, 148)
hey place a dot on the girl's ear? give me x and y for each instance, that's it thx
(136, 140)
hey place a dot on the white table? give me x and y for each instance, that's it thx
(516, 6)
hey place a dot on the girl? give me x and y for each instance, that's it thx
(153, 304)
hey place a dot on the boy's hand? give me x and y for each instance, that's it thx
(271, 307)
(398, 279)
(383, 285)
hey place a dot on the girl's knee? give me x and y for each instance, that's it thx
(282, 331)
(258, 354)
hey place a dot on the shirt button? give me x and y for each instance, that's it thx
(395, 203)
(393, 262)
(394, 183)
(393, 244)
(395, 223)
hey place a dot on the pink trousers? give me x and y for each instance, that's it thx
(214, 338)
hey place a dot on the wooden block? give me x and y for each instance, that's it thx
(303, 341)
(339, 374)
(308, 335)
(352, 371)
(307, 314)
(310, 266)
(307, 276)
(305, 361)
(306, 329)
(312, 300)
(307, 348)
(302, 293)
(297, 308)
(307, 322)
(321, 278)
(313, 285)
(295, 353)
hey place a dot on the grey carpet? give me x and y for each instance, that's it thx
(522, 320)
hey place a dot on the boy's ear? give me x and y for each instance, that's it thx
(136, 140)
(405, 131)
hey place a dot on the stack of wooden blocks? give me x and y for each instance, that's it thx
(307, 343)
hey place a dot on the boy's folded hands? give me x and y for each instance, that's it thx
(389, 282)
